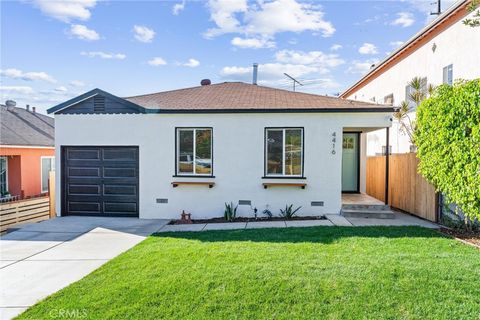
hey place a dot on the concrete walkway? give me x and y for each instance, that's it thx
(42, 258)
(401, 219)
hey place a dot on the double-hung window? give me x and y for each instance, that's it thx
(284, 152)
(48, 164)
(448, 74)
(194, 151)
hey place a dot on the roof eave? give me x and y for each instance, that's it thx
(284, 110)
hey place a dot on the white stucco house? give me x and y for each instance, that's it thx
(443, 51)
(193, 149)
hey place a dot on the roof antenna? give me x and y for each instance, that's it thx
(293, 79)
(439, 8)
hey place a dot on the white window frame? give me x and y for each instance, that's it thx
(177, 151)
(52, 159)
(6, 171)
(445, 74)
(283, 129)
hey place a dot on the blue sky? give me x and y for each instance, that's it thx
(52, 51)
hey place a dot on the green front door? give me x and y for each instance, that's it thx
(350, 162)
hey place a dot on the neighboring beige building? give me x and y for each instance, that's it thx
(443, 51)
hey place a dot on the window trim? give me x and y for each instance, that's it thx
(52, 158)
(446, 69)
(266, 175)
(6, 173)
(177, 148)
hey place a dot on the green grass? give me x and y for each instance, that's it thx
(309, 273)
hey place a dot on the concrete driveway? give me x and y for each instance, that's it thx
(41, 258)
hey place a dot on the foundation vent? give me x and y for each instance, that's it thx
(245, 202)
(317, 203)
(162, 200)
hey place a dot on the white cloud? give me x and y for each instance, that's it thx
(103, 55)
(77, 83)
(272, 74)
(66, 11)
(361, 67)
(253, 43)
(223, 13)
(192, 63)
(265, 19)
(157, 61)
(61, 89)
(396, 44)
(336, 47)
(28, 76)
(143, 34)
(368, 48)
(178, 7)
(16, 90)
(268, 71)
(404, 19)
(83, 33)
(298, 64)
(321, 61)
(286, 15)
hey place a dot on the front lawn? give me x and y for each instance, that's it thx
(309, 273)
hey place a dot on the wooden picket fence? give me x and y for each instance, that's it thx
(408, 190)
(28, 210)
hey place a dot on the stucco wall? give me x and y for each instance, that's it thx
(24, 169)
(238, 151)
(458, 45)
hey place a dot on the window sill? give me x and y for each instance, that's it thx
(193, 183)
(282, 184)
(191, 176)
(283, 177)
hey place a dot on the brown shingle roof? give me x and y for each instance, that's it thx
(243, 96)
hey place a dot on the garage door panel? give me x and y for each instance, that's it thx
(84, 163)
(102, 182)
(83, 154)
(111, 172)
(83, 172)
(129, 154)
(84, 207)
(120, 208)
(85, 198)
(122, 190)
(80, 189)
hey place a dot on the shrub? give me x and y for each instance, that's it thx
(448, 141)
(288, 213)
(268, 213)
(230, 212)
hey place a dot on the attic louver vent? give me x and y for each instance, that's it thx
(99, 104)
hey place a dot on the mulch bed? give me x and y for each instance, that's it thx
(241, 219)
(467, 236)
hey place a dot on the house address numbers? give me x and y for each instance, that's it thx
(334, 140)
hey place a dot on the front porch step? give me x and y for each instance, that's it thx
(366, 207)
(368, 213)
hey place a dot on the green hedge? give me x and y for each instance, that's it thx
(448, 142)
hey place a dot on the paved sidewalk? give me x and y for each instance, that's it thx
(401, 219)
(42, 258)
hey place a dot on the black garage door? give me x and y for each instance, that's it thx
(100, 181)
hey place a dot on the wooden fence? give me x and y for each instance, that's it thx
(408, 190)
(28, 210)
